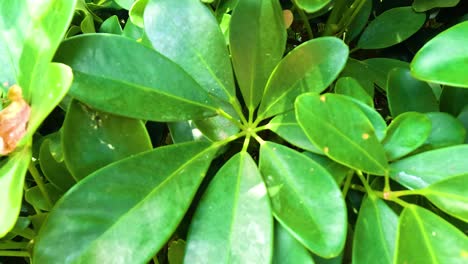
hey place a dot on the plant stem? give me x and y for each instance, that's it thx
(27, 233)
(331, 27)
(246, 143)
(222, 113)
(11, 253)
(305, 19)
(238, 108)
(347, 184)
(13, 245)
(38, 179)
(365, 183)
(259, 139)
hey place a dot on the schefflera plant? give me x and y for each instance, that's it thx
(262, 202)
(126, 211)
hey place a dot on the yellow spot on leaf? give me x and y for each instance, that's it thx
(13, 120)
(365, 136)
(323, 98)
(326, 150)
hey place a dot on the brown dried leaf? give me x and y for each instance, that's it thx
(13, 120)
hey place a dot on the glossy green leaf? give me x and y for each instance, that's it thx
(218, 127)
(35, 197)
(257, 41)
(176, 252)
(351, 87)
(338, 171)
(434, 64)
(406, 133)
(111, 25)
(30, 32)
(233, 222)
(139, 79)
(193, 40)
(184, 131)
(425, 237)
(377, 121)
(93, 139)
(382, 66)
(450, 195)
(298, 189)
(407, 94)
(339, 133)
(311, 67)
(420, 170)
(55, 172)
(375, 232)
(286, 127)
(362, 72)
(312, 6)
(136, 13)
(463, 117)
(57, 79)
(446, 131)
(129, 208)
(288, 250)
(453, 100)
(425, 5)
(391, 27)
(126, 4)
(12, 172)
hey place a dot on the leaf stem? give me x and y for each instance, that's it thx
(259, 139)
(223, 113)
(238, 108)
(27, 233)
(305, 19)
(246, 143)
(11, 253)
(365, 183)
(347, 184)
(13, 245)
(40, 183)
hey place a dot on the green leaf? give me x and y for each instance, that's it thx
(407, 94)
(375, 232)
(126, 4)
(129, 208)
(311, 67)
(136, 13)
(351, 87)
(425, 237)
(311, 6)
(434, 64)
(193, 40)
(218, 127)
(55, 172)
(377, 121)
(288, 250)
(111, 25)
(450, 195)
(463, 117)
(298, 189)
(57, 79)
(446, 131)
(391, 27)
(185, 131)
(233, 221)
(12, 172)
(176, 252)
(138, 79)
(425, 5)
(30, 32)
(93, 139)
(257, 41)
(35, 197)
(359, 21)
(406, 133)
(362, 72)
(338, 171)
(420, 170)
(453, 100)
(286, 127)
(330, 128)
(381, 67)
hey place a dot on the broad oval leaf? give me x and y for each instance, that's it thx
(257, 40)
(446, 131)
(423, 169)
(406, 133)
(118, 75)
(425, 237)
(298, 189)
(129, 208)
(93, 139)
(55, 172)
(463, 117)
(233, 222)
(362, 72)
(450, 195)
(407, 94)
(453, 100)
(311, 6)
(194, 41)
(425, 5)
(288, 250)
(377, 121)
(381, 67)
(351, 87)
(359, 21)
(375, 232)
(328, 126)
(434, 64)
(311, 67)
(338, 171)
(286, 127)
(35, 197)
(391, 27)
(12, 173)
